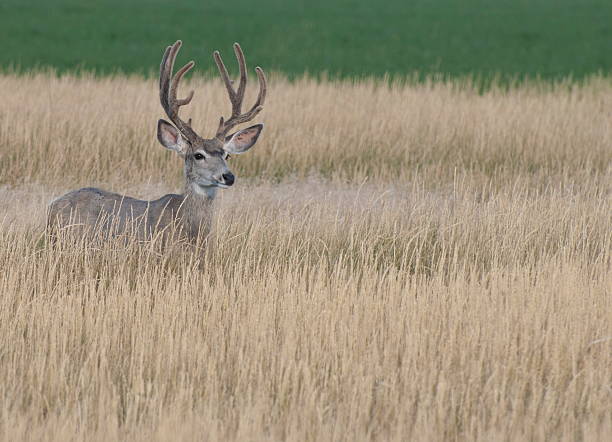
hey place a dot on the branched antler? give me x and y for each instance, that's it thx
(168, 86)
(237, 97)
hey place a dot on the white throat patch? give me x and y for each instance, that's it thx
(207, 191)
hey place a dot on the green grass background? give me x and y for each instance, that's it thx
(514, 38)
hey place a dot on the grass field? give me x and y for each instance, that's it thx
(359, 38)
(404, 262)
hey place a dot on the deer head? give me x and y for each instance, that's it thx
(206, 158)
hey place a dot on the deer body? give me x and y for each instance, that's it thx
(206, 168)
(190, 212)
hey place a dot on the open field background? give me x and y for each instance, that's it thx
(548, 38)
(406, 261)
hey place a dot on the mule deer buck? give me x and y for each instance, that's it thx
(206, 168)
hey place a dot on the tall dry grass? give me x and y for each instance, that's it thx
(395, 262)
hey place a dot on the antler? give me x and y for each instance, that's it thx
(168, 86)
(237, 97)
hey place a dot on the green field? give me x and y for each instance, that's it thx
(548, 38)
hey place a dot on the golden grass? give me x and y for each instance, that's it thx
(409, 262)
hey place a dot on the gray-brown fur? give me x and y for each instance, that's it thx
(106, 211)
(205, 167)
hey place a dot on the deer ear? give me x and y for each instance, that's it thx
(170, 137)
(242, 140)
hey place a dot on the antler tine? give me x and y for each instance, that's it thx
(263, 86)
(237, 97)
(162, 69)
(175, 82)
(168, 87)
(243, 74)
(165, 73)
(224, 76)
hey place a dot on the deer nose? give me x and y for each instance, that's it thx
(228, 178)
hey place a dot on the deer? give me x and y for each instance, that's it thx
(205, 164)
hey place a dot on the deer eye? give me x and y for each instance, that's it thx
(198, 156)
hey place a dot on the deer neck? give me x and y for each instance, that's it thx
(198, 208)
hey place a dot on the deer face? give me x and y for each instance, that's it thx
(206, 160)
